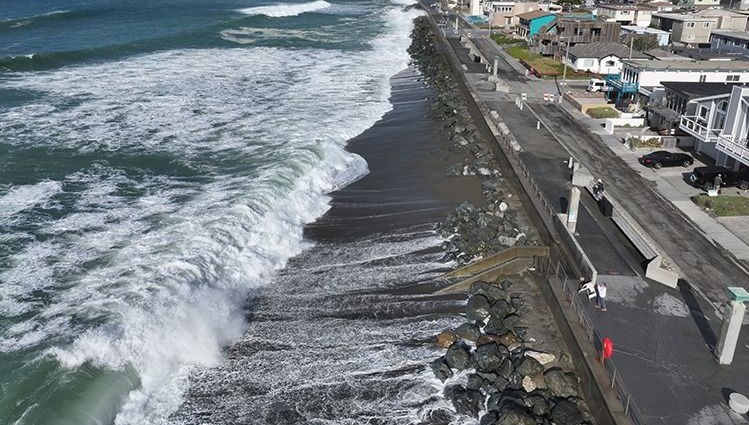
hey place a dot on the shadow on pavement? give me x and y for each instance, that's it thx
(698, 315)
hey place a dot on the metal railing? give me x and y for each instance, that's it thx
(570, 288)
(733, 149)
(692, 125)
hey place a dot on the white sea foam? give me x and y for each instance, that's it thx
(22, 198)
(164, 263)
(286, 9)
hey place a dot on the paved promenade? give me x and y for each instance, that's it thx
(664, 337)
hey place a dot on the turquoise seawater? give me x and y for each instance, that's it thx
(158, 161)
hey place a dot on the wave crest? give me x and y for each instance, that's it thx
(286, 10)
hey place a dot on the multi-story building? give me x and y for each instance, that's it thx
(640, 78)
(666, 107)
(505, 13)
(531, 23)
(551, 7)
(686, 28)
(663, 37)
(720, 124)
(695, 28)
(568, 30)
(730, 41)
(625, 14)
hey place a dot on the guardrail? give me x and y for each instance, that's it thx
(570, 288)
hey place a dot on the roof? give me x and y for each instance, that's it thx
(661, 54)
(711, 55)
(696, 90)
(719, 12)
(657, 65)
(684, 17)
(741, 35)
(643, 30)
(533, 15)
(661, 3)
(603, 49)
(625, 7)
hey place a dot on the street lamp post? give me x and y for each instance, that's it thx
(566, 58)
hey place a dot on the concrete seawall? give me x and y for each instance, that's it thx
(606, 408)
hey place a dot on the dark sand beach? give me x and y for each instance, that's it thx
(345, 333)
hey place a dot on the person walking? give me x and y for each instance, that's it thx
(601, 296)
(717, 181)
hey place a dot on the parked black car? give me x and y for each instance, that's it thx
(660, 159)
(703, 177)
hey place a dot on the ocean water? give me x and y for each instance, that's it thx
(158, 163)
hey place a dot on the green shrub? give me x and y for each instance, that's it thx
(603, 112)
(723, 205)
(652, 142)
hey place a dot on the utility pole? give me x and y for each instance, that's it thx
(631, 44)
(566, 58)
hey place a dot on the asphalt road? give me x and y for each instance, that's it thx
(705, 266)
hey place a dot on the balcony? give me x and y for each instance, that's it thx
(697, 127)
(739, 151)
(615, 81)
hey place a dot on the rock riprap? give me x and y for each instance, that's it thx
(491, 375)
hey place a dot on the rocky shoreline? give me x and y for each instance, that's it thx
(491, 373)
(493, 369)
(472, 231)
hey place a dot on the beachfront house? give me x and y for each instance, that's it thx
(530, 23)
(504, 14)
(571, 29)
(600, 58)
(640, 77)
(720, 124)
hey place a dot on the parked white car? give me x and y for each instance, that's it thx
(596, 85)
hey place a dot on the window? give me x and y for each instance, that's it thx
(732, 78)
(690, 24)
(703, 112)
(720, 115)
(610, 63)
(703, 78)
(706, 25)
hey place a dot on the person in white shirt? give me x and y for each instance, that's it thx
(601, 296)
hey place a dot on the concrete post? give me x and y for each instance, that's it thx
(729, 331)
(572, 209)
(496, 64)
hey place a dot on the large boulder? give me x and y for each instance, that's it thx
(539, 405)
(478, 308)
(466, 402)
(500, 308)
(491, 292)
(446, 339)
(543, 358)
(458, 356)
(512, 320)
(515, 416)
(488, 357)
(441, 370)
(566, 412)
(506, 369)
(495, 325)
(475, 382)
(561, 384)
(468, 331)
(528, 366)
